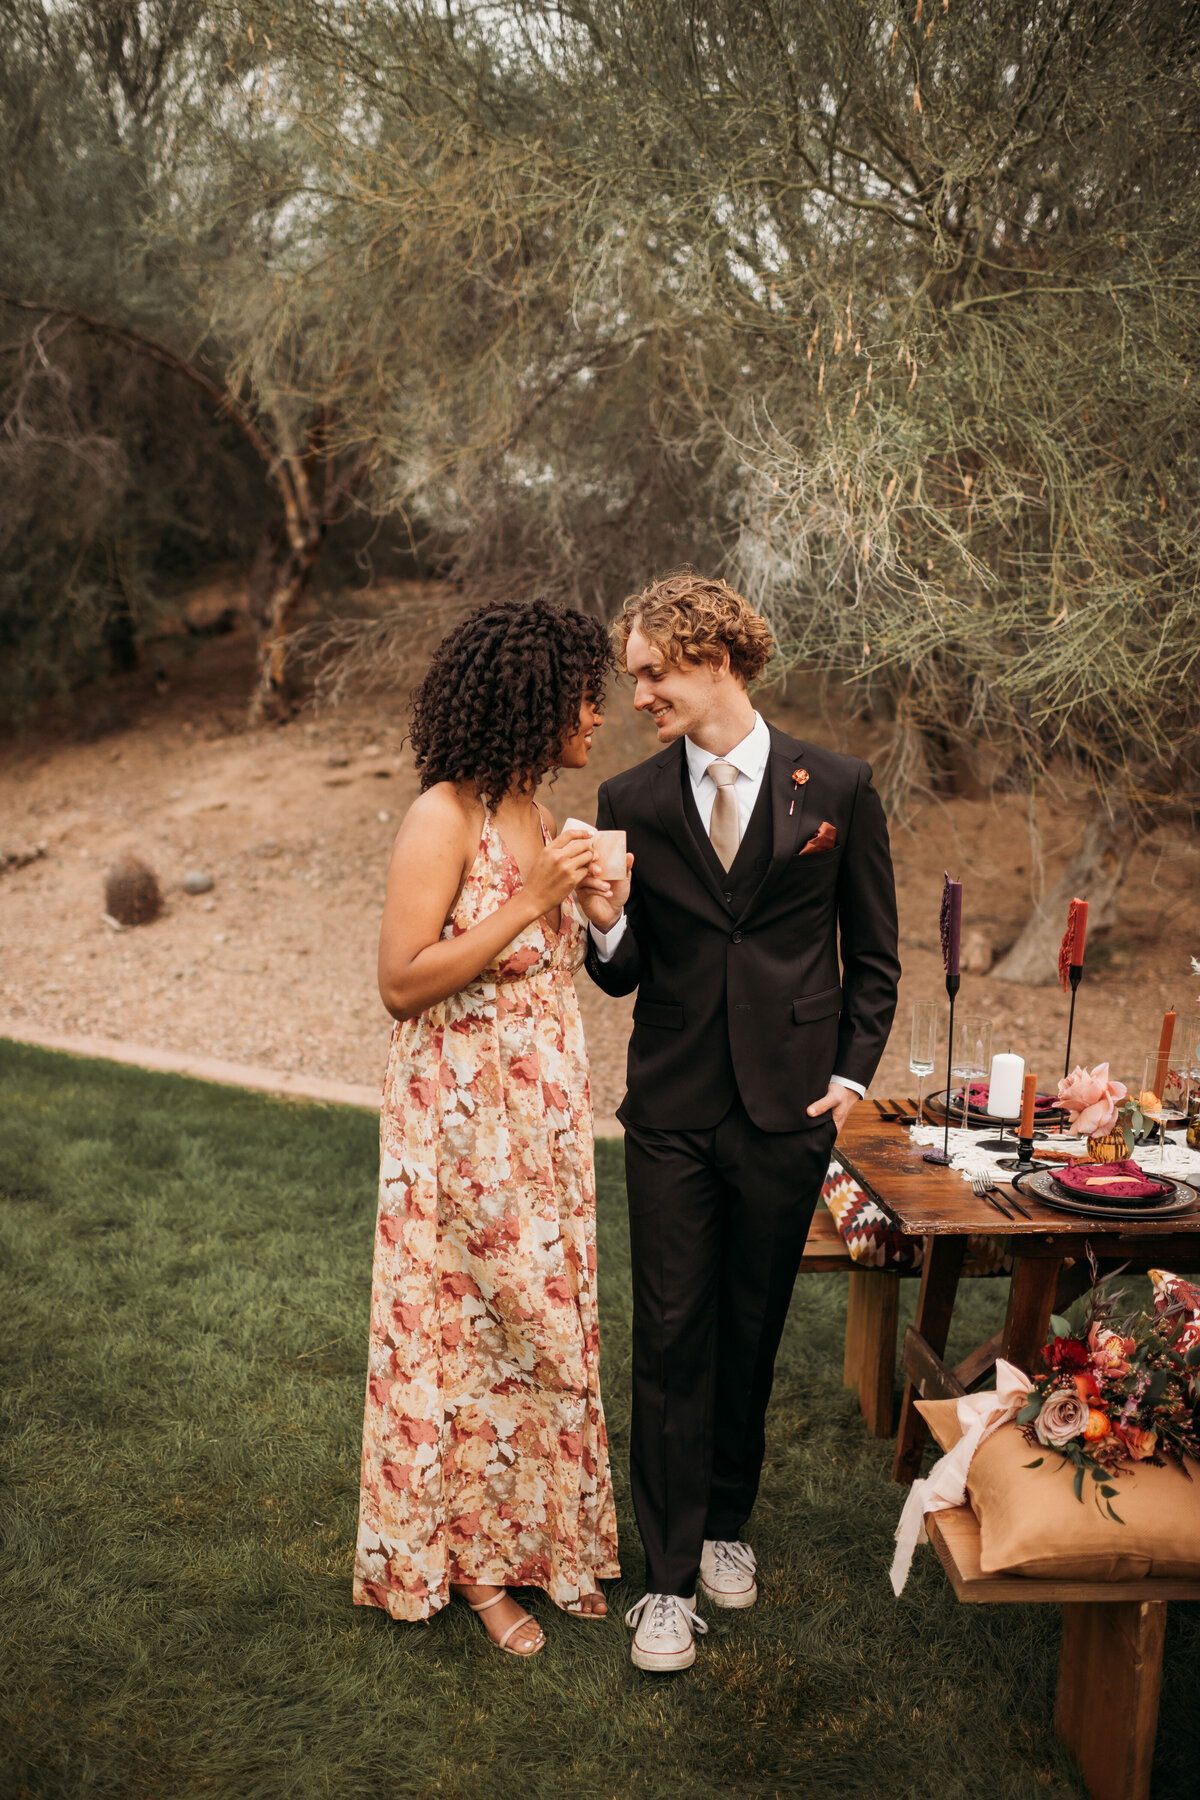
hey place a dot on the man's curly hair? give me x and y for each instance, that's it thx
(502, 691)
(692, 620)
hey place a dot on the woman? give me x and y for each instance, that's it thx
(485, 1460)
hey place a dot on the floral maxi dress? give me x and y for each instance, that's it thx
(484, 1453)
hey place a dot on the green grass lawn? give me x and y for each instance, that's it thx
(185, 1273)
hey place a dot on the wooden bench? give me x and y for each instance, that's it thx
(872, 1315)
(1110, 1662)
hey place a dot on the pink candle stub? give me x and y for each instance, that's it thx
(610, 854)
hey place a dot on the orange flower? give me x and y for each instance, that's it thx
(1087, 1387)
(1139, 1442)
(1098, 1425)
(1110, 1351)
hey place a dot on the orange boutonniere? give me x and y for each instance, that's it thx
(799, 777)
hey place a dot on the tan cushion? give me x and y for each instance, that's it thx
(1030, 1522)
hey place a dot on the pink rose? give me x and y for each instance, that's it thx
(1090, 1099)
(1063, 1417)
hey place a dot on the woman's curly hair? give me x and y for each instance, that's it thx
(692, 620)
(502, 691)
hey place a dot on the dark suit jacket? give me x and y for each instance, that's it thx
(752, 1002)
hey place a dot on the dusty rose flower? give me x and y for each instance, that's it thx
(1090, 1099)
(1063, 1417)
(1110, 1351)
(1139, 1442)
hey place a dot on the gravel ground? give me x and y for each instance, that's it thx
(276, 965)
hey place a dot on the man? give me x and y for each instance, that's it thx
(750, 853)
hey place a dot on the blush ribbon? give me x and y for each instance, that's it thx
(979, 1415)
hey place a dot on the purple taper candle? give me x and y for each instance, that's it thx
(950, 922)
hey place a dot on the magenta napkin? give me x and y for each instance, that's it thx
(979, 1098)
(1110, 1181)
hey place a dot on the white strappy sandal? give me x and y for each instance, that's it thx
(502, 1643)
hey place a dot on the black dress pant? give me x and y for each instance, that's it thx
(718, 1222)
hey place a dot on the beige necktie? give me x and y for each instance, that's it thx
(724, 828)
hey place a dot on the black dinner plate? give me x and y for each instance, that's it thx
(1040, 1186)
(977, 1118)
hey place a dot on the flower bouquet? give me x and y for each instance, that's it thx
(1115, 1395)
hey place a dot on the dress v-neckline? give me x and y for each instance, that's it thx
(544, 919)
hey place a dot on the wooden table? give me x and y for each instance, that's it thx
(936, 1204)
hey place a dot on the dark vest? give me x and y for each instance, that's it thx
(739, 881)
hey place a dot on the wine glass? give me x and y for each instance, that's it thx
(970, 1055)
(922, 1048)
(1150, 1099)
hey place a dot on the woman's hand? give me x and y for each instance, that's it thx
(604, 901)
(559, 867)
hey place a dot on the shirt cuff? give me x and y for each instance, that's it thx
(843, 1081)
(606, 941)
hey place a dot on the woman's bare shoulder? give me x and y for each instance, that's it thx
(444, 808)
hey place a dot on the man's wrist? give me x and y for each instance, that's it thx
(601, 936)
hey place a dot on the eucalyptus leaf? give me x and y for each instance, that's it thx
(1035, 1464)
(1077, 1484)
(1029, 1411)
(1112, 1514)
(1059, 1326)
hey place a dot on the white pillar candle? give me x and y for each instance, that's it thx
(1004, 1086)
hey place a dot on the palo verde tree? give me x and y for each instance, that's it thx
(132, 325)
(907, 301)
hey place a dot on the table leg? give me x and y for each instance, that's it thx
(1109, 1675)
(935, 1304)
(1030, 1303)
(870, 1357)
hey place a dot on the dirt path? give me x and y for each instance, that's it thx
(276, 965)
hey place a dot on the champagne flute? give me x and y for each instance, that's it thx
(1152, 1103)
(922, 1048)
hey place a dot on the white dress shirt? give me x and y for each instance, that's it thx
(749, 758)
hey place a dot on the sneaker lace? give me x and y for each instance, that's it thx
(733, 1558)
(663, 1608)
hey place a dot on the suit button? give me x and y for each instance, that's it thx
(729, 899)
(737, 937)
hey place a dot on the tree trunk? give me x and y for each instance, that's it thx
(272, 700)
(1094, 874)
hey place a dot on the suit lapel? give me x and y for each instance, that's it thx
(790, 811)
(667, 787)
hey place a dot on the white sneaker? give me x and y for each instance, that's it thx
(663, 1639)
(727, 1573)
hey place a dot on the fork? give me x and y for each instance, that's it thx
(984, 1188)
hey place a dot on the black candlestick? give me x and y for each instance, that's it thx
(942, 1156)
(999, 1143)
(1075, 976)
(1023, 1161)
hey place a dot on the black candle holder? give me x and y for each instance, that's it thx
(942, 1156)
(1075, 976)
(999, 1143)
(1024, 1161)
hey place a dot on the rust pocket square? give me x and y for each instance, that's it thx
(824, 839)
